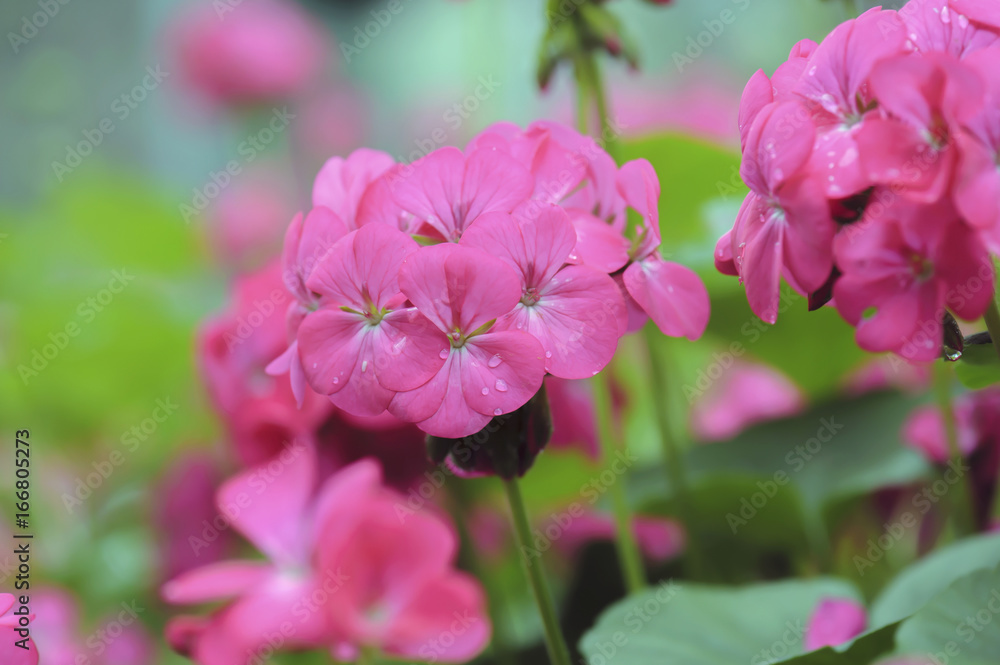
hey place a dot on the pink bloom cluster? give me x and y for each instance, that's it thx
(345, 571)
(871, 160)
(834, 622)
(443, 291)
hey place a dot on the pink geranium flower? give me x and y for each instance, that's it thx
(907, 263)
(448, 189)
(273, 507)
(671, 294)
(784, 223)
(926, 100)
(481, 372)
(574, 311)
(10, 623)
(977, 184)
(362, 336)
(834, 622)
(658, 539)
(834, 86)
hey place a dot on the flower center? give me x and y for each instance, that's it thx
(922, 268)
(530, 297)
(457, 339)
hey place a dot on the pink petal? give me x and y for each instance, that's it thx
(842, 63)
(673, 296)
(217, 581)
(536, 245)
(340, 500)
(807, 234)
(408, 351)
(747, 394)
(331, 342)
(577, 320)
(452, 604)
(779, 146)
(834, 622)
(494, 181)
(14, 655)
(756, 95)
(439, 407)
(759, 257)
(501, 371)
(924, 431)
(431, 188)
(598, 244)
(459, 287)
(320, 232)
(982, 12)
(267, 504)
(837, 161)
(897, 154)
(341, 183)
(7, 601)
(977, 184)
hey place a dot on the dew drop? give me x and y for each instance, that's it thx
(364, 366)
(963, 21)
(548, 354)
(501, 385)
(314, 365)
(336, 380)
(497, 411)
(494, 361)
(443, 354)
(945, 15)
(485, 391)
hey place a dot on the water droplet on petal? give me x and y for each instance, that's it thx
(963, 21)
(945, 15)
(364, 366)
(501, 385)
(336, 380)
(444, 354)
(548, 354)
(497, 411)
(494, 361)
(486, 391)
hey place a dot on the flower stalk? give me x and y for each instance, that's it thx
(554, 641)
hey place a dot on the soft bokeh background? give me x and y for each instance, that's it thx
(64, 236)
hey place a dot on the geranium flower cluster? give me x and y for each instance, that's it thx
(872, 165)
(444, 291)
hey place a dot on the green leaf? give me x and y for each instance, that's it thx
(863, 649)
(923, 580)
(979, 366)
(835, 450)
(704, 625)
(959, 625)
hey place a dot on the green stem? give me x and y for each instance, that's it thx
(673, 452)
(964, 507)
(554, 640)
(591, 88)
(992, 318)
(629, 558)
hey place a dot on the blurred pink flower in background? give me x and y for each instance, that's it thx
(746, 394)
(659, 539)
(700, 107)
(572, 405)
(119, 639)
(253, 52)
(833, 622)
(332, 122)
(246, 222)
(888, 372)
(188, 506)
